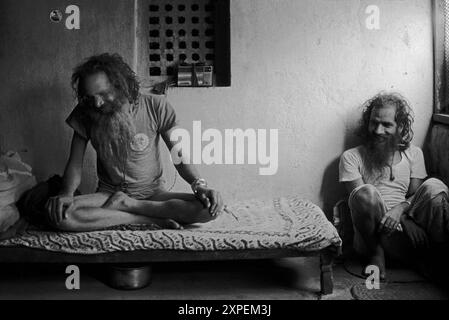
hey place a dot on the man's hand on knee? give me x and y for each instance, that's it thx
(211, 199)
(59, 207)
(200, 213)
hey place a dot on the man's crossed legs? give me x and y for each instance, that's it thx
(425, 224)
(103, 210)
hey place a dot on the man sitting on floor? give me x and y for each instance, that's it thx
(395, 211)
(124, 128)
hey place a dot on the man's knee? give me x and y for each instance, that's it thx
(366, 197)
(201, 213)
(439, 200)
(72, 223)
(63, 225)
(433, 187)
(194, 212)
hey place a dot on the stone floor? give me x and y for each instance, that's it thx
(286, 279)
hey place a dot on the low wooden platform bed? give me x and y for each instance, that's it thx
(255, 229)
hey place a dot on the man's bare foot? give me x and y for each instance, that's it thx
(119, 201)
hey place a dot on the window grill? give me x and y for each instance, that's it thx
(181, 31)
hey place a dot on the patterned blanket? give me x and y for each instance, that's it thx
(287, 222)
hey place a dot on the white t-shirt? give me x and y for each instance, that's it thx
(393, 192)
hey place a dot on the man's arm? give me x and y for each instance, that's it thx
(418, 173)
(415, 183)
(187, 171)
(415, 233)
(57, 206)
(404, 206)
(392, 219)
(349, 170)
(74, 166)
(209, 197)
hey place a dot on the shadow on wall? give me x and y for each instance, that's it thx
(331, 190)
(34, 123)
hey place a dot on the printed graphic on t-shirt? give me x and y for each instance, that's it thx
(140, 142)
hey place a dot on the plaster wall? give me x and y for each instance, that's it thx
(302, 67)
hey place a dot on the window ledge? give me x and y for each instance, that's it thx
(441, 118)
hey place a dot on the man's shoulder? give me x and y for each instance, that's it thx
(353, 152)
(153, 103)
(413, 152)
(352, 156)
(413, 148)
(151, 99)
(81, 120)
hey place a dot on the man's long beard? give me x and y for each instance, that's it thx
(113, 133)
(379, 154)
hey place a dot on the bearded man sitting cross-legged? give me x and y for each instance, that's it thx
(124, 128)
(395, 211)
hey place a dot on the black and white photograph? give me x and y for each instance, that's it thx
(224, 155)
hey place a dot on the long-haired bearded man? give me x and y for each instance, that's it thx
(124, 127)
(396, 212)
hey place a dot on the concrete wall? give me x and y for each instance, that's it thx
(36, 60)
(302, 67)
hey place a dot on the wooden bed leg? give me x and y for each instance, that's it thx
(326, 277)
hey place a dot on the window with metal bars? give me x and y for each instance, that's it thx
(188, 33)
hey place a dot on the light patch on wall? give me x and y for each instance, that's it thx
(372, 22)
(406, 38)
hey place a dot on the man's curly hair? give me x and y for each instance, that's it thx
(403, 117)
(121, 76)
